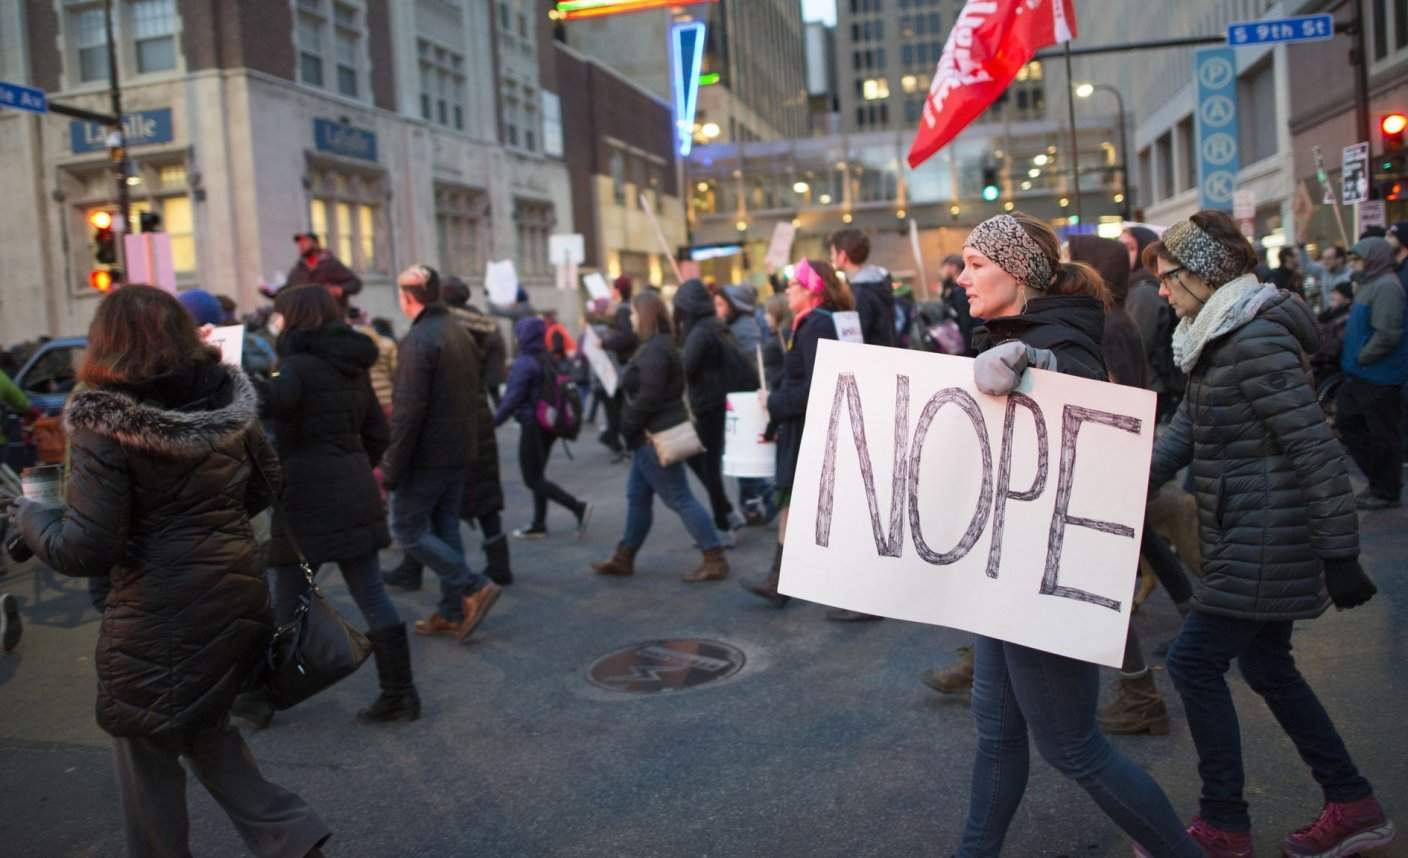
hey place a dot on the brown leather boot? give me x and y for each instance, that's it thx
(767, 589)
(622, 563)
(1138, 708)
(714, 567)
(957, 678)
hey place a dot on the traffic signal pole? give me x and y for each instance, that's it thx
(124, 197)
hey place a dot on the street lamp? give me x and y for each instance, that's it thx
(1086, 90)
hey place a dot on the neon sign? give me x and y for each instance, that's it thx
(686, 54)
(571, 10)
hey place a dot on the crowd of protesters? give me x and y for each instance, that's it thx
(376, 440)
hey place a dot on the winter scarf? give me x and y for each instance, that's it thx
(1231, 305)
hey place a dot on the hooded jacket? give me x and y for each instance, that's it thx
(1274, 500)
(1375, 346)
(875, 302)
(1121, 344)
(702, 333)
(163, 479)
(330, 432)
(525, 376)
(437, 373)
(1069, 326)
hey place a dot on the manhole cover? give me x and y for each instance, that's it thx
(655, 667)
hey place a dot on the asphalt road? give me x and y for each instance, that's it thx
(824, 744)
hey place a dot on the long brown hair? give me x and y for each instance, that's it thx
(837, 295)
(139, 332)
(307, 307)
(1072, 278)
(652, 315)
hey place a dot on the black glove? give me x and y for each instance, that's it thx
(1348, 585)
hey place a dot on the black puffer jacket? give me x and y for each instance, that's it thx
(483, 491)
(160, 490)
(437, 374)
(703, 335)
(1274, 499)
(1070, 326)
(330, 432)
(654, 386)
(787, 403)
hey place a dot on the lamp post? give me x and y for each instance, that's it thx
(1086, 90)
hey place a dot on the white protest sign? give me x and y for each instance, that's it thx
(148, 257)
(907, 472)
(599, 360)
(1372, 213)
(780, 248)
(229, 339)
(567, 249)
(596, 286)
(848, 328)
(501, 281)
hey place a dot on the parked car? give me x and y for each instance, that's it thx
(51, 373)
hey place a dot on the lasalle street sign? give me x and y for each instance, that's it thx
(142, 127)
(339, 138)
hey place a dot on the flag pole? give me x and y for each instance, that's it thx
(1075, 150)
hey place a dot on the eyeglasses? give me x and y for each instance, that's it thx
(1167, 275)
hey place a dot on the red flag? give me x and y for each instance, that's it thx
(988, 45)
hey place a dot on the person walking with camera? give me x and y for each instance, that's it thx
(166, 457)
(654, 384)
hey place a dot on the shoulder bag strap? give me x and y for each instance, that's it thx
(274, 506)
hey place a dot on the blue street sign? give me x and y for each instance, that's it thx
(142, 128)
(346, 140)
(1302, 28)
(1219, 158)
(23, 98)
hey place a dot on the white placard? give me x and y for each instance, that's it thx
(501, 281)
(780, 248)
(597, 286)
(848, 328)
(148, 256)
(229, 339)
(1354, 174)
(1372, 213)
(599, 360)
(1059, 470)
(567, 249)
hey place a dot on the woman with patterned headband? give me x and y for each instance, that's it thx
(1041, 312)
(814, 293)
(1280, 540)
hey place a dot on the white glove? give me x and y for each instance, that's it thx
(998, 371)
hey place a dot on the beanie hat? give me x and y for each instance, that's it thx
(202, 306)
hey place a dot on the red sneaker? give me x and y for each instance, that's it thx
(1218, 843)
(1343, 828)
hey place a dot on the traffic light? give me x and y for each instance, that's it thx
(149, 222)
(1393, 189)
(1391, 129)
(104, 241)
(990, 189)
(102, 279)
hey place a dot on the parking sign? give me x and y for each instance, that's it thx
(1219, 158)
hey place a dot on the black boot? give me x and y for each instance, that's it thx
(406, 576)
(254, 707)
(496, 552)
(768, 589)
(399, 700)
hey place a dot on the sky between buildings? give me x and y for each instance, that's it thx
(819, 10)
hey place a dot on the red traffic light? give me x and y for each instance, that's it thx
(1393, 123)
(101, 279)
(100, 219)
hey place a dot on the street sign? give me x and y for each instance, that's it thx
(1219, 158)
(23, 98)
(1300, 28)
(1354, 175)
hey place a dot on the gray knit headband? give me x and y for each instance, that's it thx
(1003, 240)
(1201, 254)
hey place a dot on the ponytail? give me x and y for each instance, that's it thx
(1078, 278)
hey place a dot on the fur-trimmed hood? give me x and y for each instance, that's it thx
(183, 432)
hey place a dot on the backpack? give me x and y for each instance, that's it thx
(740, 369)
(559, 405)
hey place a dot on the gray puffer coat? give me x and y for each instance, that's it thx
(1274, 500)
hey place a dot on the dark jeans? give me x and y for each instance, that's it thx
(534, 448)
(613, 419)
(425, 521)
(273, 822)
(1016, 689)
(647, 479)
(1369, 419)
(708, 465)
(1166, 565)
(1198, 663)
(364, 582)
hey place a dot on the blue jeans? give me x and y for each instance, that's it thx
(1198, 663)
(425, 521)
(1016, 689)
(648, 479)
(364, 582)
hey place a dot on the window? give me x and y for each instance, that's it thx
(348, 43)
(310, 48)
(459, 222)
(616, 168)
(504, 19)
(907, 55)
(1256, 108)
(90, 38)
(162, 191)
(1188, 141)
(552, 124)
(441, 85)
(876, 89)
(344, 19)
(154, 29)
(345, 210)
(534, 221)
(1389, 23)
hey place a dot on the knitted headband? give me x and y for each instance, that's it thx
(810, 280)
(1003, 240)
(1201, 254)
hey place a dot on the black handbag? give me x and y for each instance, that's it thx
(317, 647)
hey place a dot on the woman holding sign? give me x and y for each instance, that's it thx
(1279, 534)
(814, 293)
(1048, 314)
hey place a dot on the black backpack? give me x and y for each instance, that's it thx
(740, 369)
(559, 406)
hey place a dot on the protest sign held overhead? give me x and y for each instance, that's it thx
(1015, 517)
